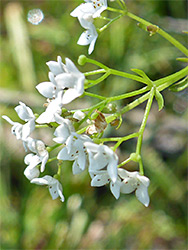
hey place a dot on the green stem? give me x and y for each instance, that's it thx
(142, 128)
(124, 162)
(94, 72)
(95, 82)
(120, 4)
(125, 138)
(92, 61)
(42, 126)
(49, 149)
(117, 10)
(127, 95)
(109, 23)
(52, 159)
(95, 96)
(171, 79)
(127, 75)
(162, 33)
(174, 77)
(104, 18)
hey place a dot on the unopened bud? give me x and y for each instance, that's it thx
(135, 157)
(79, 115)
(82, 60)
(110, 108)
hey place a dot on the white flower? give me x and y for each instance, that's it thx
(99, 6)
(75, 150)
(101, 157)
(31, 170)
(49, 89)
(63, 131)
(84, 12)
(89, 37)
(79, 115)
(133, 181)
(55, 187)
(90, 9)
(42, 155)
(66, 82)
(53, 108)
(101, 178)
(72, 80)
(22, 131)
(56, 67)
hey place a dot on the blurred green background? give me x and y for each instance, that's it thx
(91, 218)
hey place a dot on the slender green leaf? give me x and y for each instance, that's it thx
(183, 84)
(143, 75)
(159, 99)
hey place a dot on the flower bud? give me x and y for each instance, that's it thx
(110, 108)
(79, 115)
(135, 157)
(82, 60)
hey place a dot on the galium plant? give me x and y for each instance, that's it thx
(78, 133)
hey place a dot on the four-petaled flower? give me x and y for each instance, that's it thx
(101, 157)
(133, 181)
(90, 9)
(55, 187)
(85, 13)
(66, 84)
(76, 151)
(101, 178)
(19, 130)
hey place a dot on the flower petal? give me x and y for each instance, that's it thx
(65, 80)
(100, 180)
(144, 180)
(127, 187)
(115, 189)
(8, 119)
(40, 181)
(62, 132)
(70, 95)
(28, 128)
(28, 158)
(53, 191)
(24, 112)
(44, 160)
(56, 67)
(142, 195)
(71, 67)
(31, 173)
(76, 168)
(46, 89)
(63, 155)
(48, 116)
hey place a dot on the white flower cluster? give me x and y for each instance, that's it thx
(86, 12)
(66, 84)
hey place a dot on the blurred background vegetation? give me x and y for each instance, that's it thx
(91, 218)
